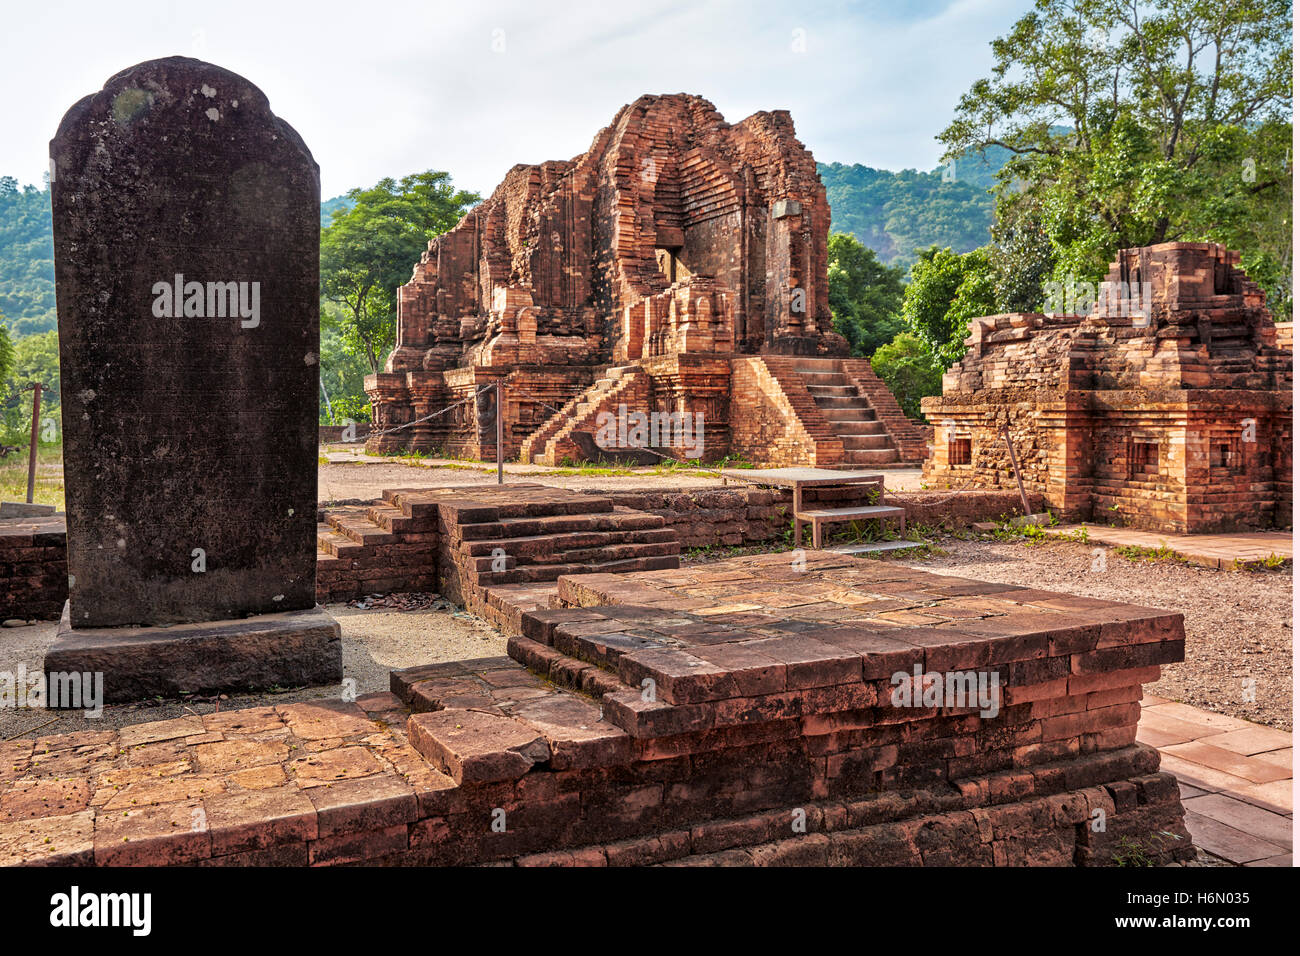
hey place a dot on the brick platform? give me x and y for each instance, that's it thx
(770, 740)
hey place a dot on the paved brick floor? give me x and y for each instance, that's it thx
(1235, 778)
(1210, 550)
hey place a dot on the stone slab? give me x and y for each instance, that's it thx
(289, 649)
(186, 220)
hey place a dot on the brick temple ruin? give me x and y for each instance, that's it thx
(677, 266)
(1166, 407)
(775, 709)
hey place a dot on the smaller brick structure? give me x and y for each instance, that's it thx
(1168, 407)
(33, 568)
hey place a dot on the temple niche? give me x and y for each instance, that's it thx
(636, 273)
(1166, 407)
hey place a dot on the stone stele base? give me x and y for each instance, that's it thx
(289, 649)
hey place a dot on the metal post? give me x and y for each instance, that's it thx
(501, 468)
(36, 424)
(1024, 500)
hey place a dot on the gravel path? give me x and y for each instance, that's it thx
(1238, 622)
(350, 475)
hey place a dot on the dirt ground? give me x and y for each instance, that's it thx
(1238, 622)
(350, 475)
(374, 642)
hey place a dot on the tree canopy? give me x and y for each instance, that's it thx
(1176, 119)
(370, 246)
(865, 294)
(946, 290)
(26, 257)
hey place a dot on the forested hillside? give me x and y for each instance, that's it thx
(896, 214)
(26, 258)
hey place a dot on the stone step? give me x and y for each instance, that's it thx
(360, 529)
(335, 545)
(855, 402)
(819, 377)
(848, 414)
(390, 519)
(573, 557)
(870, 456)
(553, 543)
(818, 391)
(551, 572)
(867, 442)
(617, 521)
(865, 429)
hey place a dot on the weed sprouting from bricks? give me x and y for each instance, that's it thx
(958, 689)
(57, 690)
(636, 429)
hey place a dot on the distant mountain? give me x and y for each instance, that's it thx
(27, 255)
(26, 258)
(897, 213)
(329, 205)
(893, 213)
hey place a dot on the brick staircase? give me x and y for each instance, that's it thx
(479, 549)
(371, 549)
(524, 539)
(869, 423)
(551, 444)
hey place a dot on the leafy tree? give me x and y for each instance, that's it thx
(910, 370)
(6, 349)
(865, 295)
(1176, 117)
(342, 375)
(368, 250)
(946, 290)
(35, 358)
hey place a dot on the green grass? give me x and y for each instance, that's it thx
(1140, 554)
(1032, 535)
(49, 476)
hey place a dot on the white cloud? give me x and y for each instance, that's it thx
(387, 88)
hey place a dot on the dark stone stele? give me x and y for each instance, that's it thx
(186, 236)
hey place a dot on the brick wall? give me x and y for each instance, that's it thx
(768, 426)
(33, 568)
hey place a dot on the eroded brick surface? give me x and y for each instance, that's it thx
(780, 745)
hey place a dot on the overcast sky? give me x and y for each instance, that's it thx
(384, 88)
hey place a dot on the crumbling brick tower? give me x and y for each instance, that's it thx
(1168, 407)
(636, 274)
